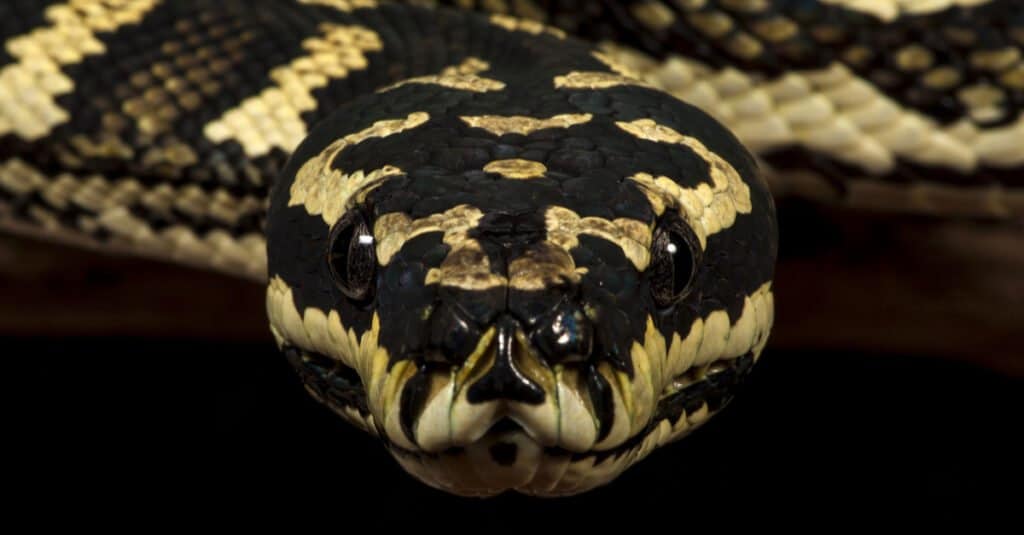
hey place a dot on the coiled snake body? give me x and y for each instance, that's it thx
(508, 254)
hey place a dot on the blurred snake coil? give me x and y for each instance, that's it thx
(514, 240)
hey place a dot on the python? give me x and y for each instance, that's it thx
(495, 247)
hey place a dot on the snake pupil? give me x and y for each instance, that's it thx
(352, 257)
(674, 262)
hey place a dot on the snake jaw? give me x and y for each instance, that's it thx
(456, 407)
(523, 328)
(507, 456)
(482, 449)
(593, 422)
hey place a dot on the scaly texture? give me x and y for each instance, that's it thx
(518, 278)
(879, 104)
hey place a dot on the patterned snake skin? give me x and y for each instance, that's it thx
(519, 260)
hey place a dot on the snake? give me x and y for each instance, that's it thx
(524, 243)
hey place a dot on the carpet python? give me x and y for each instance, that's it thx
(522, 261)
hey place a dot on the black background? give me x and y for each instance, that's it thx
(219, 425)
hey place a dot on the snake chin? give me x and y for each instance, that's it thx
(507, 452)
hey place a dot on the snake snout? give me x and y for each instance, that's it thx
(506, 380)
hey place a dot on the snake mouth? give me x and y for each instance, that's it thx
(332, 383)
(506, 456)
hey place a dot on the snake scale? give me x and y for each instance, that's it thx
(521, 260)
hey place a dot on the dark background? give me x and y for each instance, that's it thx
(893, 380)
(228, 423)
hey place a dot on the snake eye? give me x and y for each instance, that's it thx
(352, 256)
(675, 256)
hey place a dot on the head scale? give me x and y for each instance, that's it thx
(528, 303)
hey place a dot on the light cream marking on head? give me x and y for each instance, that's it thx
(543, 265)
(467, 421)
(709, 208)
(464, 76)
(578, 428)
(314, 330)
(537, 475)
(329, 192)
(663, 368)
(711, 338)
(622, 403)
(432, 428)
(633, 236)
(30, 85)
(531, 27)
(500, 125)
(392, 231)
(721, 170)
(470, 65)
(566, 420)
(466, 266)
(462, 82)
(384, 393)
(516, 169)
(345, 6)
(325, 190)
(273, 118)
(595, 80)
(470, 421)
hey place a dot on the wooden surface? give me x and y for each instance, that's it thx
(944, 289)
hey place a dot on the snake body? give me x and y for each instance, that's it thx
(513, 257)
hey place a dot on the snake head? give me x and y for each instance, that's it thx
(521, 303)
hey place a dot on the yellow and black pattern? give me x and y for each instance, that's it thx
(891, 105)
(504, 252)
(518, 278)
(513, 328)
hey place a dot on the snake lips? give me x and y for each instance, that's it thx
(490, 318)
(507, 419)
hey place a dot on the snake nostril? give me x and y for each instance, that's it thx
(564, 336)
